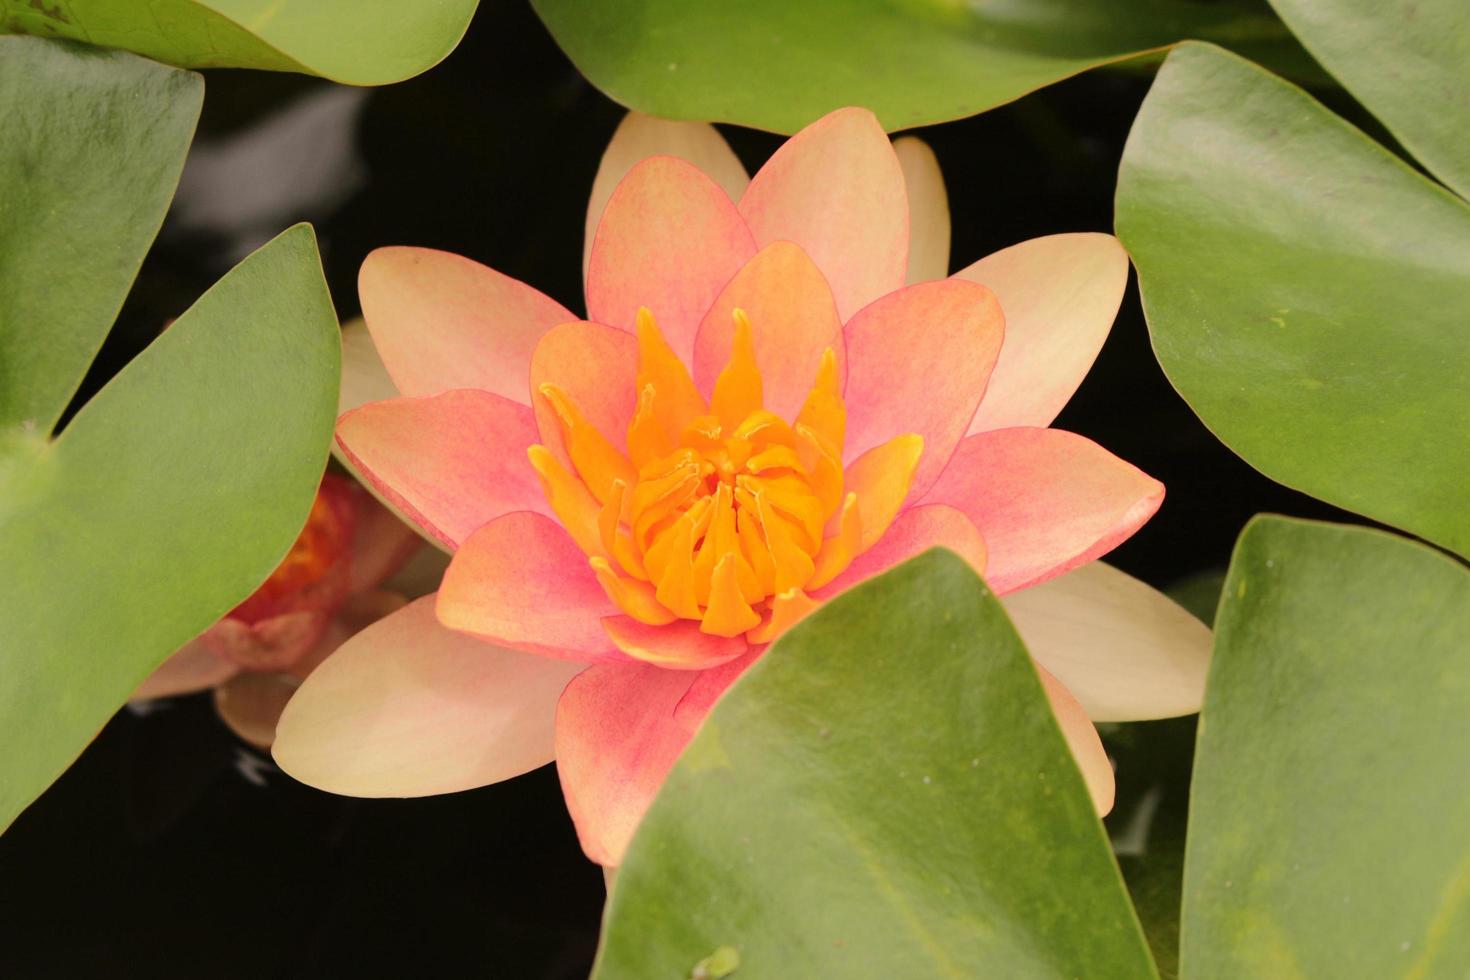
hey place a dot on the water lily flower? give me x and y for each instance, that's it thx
(776, 394)
(329, 586)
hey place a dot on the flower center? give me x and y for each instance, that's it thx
(720, 512)
(306, 577)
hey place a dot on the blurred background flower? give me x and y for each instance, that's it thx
(354, 563)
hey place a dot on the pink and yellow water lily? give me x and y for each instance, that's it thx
(777, 393)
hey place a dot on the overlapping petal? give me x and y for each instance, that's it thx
(669, 239)
(928, 210)
(381, 544)
(793, 320)
(522, 582)
(1083, 740)
(193, 667)
(1126, 651)
(450, 462)
(364, 378)
(639, 137)
(1045, 500)
(250, 704)
(917, 361)
(679, 645)
(827, 232)
(837, 190)
(1060, 295)
(597, 367)
(616, 739)
(408, 708)
(915, 531)
(619, 730)
(441, 321)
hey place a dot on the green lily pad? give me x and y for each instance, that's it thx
(885, 794)
(777, 65)
(94, 145)
(1408, 61)
(176, 489)
(1330, 815)
(357, 42)
(1305, 290)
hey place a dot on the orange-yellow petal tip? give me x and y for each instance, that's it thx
(728, 614)
(787, 609)
(632, 597)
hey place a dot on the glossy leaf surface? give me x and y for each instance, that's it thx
(1330, 814)
(1306, 291)
(1408, 61)
(884, 794)
(779, 65)
(165, 501)
(358, 42)
(92, 149)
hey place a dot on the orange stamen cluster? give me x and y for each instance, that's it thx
(720, 511)
(309, 574)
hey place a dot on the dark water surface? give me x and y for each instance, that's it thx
(171, 849)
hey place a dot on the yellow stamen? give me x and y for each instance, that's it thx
(569, 497)
(631, 596)
(616, 541)
(647, 440)
(824, 411)
(787, 609)
(793, 562)
(722, 512)
(678, 400)
(880, 477)
(676, 569)
(822, 464)
(598, 463)
(757, 553)
(838, 551)
(738, 388)
(728, 613)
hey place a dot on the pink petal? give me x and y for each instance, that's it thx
(381, 543)
(450, 463)
(1060, 295)
(597, 366)
(928, 210)
(669, 239)
(364, 380)
(1082, 739)
(793, 320)
(680, 645)
(193, 667)
(837, 190)
(915, 531)
(710, 684)
(616, 739)
(522, 582)
(270, 644)
(619, 730)
(639, 137)
(357, 614)
(408, 708)
(917, 361)
(442, 321)
(1045, 500)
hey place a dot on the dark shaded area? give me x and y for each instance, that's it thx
(172, 850)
